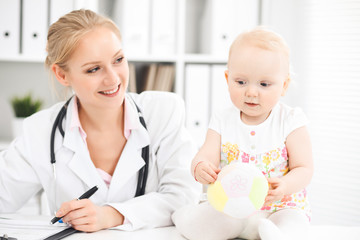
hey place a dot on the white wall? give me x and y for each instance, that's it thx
(22, 77)
(18, 78)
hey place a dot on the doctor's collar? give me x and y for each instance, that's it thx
(130, 118)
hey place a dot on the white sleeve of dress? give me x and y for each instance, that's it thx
(215, 122)
(294, 119)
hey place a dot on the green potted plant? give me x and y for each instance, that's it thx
(23, 107)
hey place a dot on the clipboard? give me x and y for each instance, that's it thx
(62, 234)
(5, 237)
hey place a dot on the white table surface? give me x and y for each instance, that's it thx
(170, 233)
(166, 233)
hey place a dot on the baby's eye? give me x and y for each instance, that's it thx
(265, 84)
(93, 70)
(241, 82)
(119, 60)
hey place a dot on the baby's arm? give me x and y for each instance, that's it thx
(299, 149)
(204, 166)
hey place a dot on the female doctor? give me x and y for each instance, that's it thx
(104, 139)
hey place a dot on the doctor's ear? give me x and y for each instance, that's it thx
(60, 75)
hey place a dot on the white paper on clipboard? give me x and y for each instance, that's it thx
(28, 227)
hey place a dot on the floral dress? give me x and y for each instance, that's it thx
(262, 145)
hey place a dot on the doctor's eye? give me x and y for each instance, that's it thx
(93, 70)
(119, 60)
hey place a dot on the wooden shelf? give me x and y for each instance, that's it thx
(205, 58)
(150, 58)
(22, 58)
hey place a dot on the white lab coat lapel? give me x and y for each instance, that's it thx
(81, 164)
(131, 160)
(129, 163)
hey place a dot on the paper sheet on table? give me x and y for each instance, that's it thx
(28, 227)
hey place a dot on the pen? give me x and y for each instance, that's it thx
(87, 194)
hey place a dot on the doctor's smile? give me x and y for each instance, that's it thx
(111, 93)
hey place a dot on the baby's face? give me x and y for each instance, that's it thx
(257, 78)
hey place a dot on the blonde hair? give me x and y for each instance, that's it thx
(65, 34)
(263, 38)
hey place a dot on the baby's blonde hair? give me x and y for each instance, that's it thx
(263, 38)
(65, 34)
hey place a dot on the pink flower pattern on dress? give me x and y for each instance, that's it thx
(284, 153)
(273, 163)
(245, 157)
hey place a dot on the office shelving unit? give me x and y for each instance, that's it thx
(202, 33)
(190, 18)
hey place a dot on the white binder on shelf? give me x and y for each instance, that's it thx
(245, 14)
(59, 8)
(220, 96)
(133, 19)
(215, 29)
(163, 27)
(223, 20)
(9, 28)
(197, 90)
(87, 4)
(34, 27)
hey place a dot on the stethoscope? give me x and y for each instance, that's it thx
(143, 172)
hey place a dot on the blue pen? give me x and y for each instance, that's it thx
(86, 195)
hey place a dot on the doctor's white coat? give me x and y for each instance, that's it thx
(25, 166)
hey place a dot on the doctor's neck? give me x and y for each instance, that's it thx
(101, 118)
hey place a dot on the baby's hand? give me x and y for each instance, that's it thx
(276, 190)
(206, 172)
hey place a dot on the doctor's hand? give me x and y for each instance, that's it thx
(84, 215)
(206, 172)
